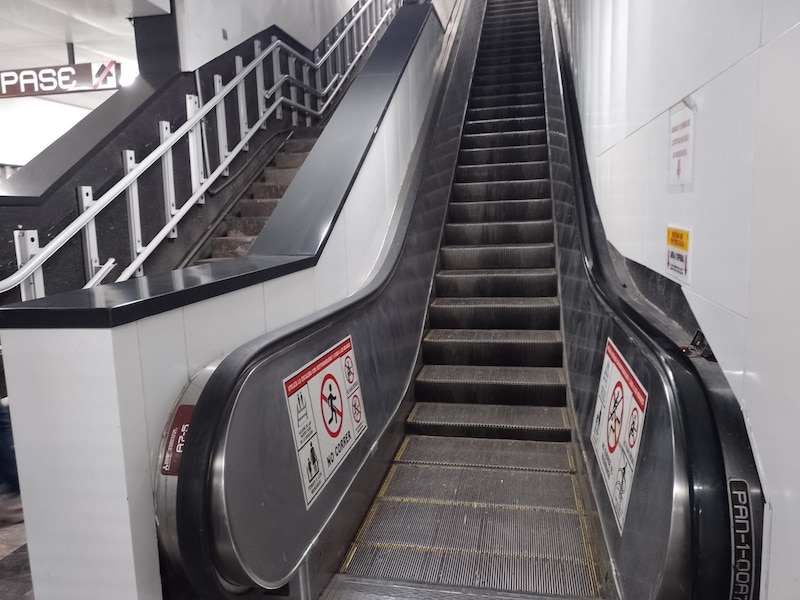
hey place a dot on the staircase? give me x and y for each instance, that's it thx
(245, 221)
(484, 492)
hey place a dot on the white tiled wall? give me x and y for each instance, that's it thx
(737, 62)
(88, 433)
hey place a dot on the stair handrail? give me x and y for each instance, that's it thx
(27, 270)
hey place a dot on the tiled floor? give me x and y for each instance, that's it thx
(15, 571)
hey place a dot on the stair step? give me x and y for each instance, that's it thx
(506, 283)
(503, 154)
(244, 226)
(280, 176)
(506, 100)
(229, 247)
(493, 347)
(492, 454)
(290, 160)
(265, 190)
(257, 207)
(299, 145)
(499, 233)
(505, 112)
(539, 423)
(505, 256)
(501, 190)
(495, 313)
(515, 171)
(518, 87)
(503, 139)
(500, 210)
(304, 133)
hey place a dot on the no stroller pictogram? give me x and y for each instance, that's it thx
(331, 405)
(350, 371)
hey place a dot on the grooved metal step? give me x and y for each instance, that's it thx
(501, 210)
(509, 124)
(517, 87)
(506, 256)
(505, 112)
(532, 423)
(501, 190)
(503, 139)
(514, 171)
(503, 154)
(504, 100)
(495, 313)
(465, 384)
(347, 587)
(507, 283)
(503, 347)
(510, 232)
(527, 68)
(493, 454)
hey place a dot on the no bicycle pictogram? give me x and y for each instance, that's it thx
(350, 371)
(356, 402)
(615, 414)
(633, 428)
(330, 397)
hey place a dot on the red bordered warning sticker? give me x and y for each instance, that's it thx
(327, 415)
(616, 435)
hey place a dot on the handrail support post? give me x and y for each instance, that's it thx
(134, 213)
(91, 253)
(168, 177)
(26, 246)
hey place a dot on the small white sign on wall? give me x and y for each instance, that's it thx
(681, 147)
(678, 253)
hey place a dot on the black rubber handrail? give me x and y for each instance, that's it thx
(710, 521)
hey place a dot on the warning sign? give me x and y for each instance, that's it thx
(327, 415)
(681, 145)
(678, 253)
(616, 429)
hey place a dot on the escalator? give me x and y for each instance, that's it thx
(484, 490)
(478, 347)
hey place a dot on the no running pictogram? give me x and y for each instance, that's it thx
(330, 397)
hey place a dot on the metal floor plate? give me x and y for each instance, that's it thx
(345, 587)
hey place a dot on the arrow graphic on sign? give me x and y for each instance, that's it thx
(679, 168)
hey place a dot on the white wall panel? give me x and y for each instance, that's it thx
(779, 15)
(163, 357)
(289, 298)
(201, 24)
(773, 326)
(216, 326)
(71, 454)
(726, 331)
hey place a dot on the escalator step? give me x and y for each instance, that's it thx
(510, 124)
(503, 154)
(509, 232)
(478, 452)
(504, 347)
(488, 283)
(505, 112)
(522, 52)
(501, 210)
(501, 42)
(516, 171)
(532, 423)
(506, 139)
(506, 256)
(495, 313)
(505, 100)
(464, 384)
(518, 87)
(501, 190)
(515, 69)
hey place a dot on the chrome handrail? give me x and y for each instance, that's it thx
(26, 271)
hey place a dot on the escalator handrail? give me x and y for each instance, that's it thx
(710, 524)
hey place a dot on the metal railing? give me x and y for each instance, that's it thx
(313, 85)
